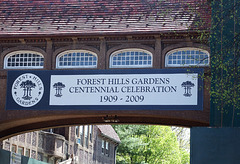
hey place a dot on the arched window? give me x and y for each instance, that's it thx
(76, 59)
(131, 58)
(184, 57)
(24, 60)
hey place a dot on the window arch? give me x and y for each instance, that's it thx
(24, 59)
(184, 57)
(131, 58)
(76, 59)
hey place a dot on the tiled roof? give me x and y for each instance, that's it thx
(109, 132)
(91, 17)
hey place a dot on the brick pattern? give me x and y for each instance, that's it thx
(34, 138)
(33, 154)
(59, 145)
(28, 138)
(26, 17)
(15, 138)
(40, 140)
(22, 138)
(49, 144)
(72, 134)
(40, 156)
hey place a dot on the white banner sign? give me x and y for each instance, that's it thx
(124, 89)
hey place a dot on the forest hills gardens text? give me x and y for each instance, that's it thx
(124, 85)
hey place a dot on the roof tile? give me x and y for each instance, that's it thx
(24, 17)
(108, 131)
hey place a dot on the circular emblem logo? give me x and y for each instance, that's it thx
(27, 90)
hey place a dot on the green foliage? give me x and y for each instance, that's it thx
(185, 157)
(225, 59)
(149, 145)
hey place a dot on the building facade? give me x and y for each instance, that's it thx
(102, 35)
(96, 35)
(82, 144)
